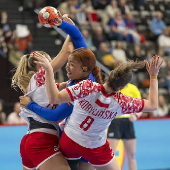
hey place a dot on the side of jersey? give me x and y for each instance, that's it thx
(93, 111)
(37, 91)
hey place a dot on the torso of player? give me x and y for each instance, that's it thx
(93, 111)
(37, 91)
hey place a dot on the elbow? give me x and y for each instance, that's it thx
(52, 101)
(154, 108)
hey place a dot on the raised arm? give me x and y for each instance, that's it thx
(77, 38)
(153, 68)
(75, 34)
(62, 56)
(66, 49)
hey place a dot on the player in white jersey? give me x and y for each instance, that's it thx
(39, 148)
(95, 106)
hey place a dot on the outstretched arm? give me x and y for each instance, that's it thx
(60, 112)
(153, 68)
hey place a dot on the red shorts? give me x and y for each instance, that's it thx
(37, 147)
(100, 156)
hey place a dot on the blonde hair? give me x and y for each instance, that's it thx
(25, 71)
(122, 74)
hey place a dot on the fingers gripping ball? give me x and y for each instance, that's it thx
(48, 16)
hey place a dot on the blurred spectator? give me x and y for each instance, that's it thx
(108, 13)
(32, 4)
(164, 76)
(23, 38)
(157, 25)
(88, 39)
(14, 118)
(91, 13)
(131, 25)
(4, 22)
(138, 4)
(124, 8)
(69, 7)
(100, 4)
(98, 36)
(119, 53)
(164, 82)
(53, 3)
(118, 29)
(5, 27)
(3, 46)
(139, 54)
(164, 67)
(163, 107)
(164, 41)
(104, 55)
(2, 114)
(111, 9)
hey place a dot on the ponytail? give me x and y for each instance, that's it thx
(97, 73)
(23, 73)
(122, 74)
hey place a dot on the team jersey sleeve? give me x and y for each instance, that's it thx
(62, 111)
(75, 34)
(130, 104)
(40, 77)
(82, 89)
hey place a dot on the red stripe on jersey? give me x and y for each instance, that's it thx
(99, 103)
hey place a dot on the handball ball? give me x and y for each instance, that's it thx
(48, 16)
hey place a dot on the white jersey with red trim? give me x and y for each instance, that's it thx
(94, 110)
(37, 91)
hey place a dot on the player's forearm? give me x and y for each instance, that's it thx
(62, 56)
(153, 91)
(75, 34)
(152, 103)
(61, 112)
(52, 90)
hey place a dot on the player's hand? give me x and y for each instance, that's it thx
(24, 101)
(66, 18)
(59, 19)
(132, 117)
(42, 61)
(154, 66)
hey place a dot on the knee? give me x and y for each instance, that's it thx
(131, 155)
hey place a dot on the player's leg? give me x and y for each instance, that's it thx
(56, 162)
(74, 164)
(85, 166)
(130, 146)
(114, 133)
(113, 143)
(111, 166)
